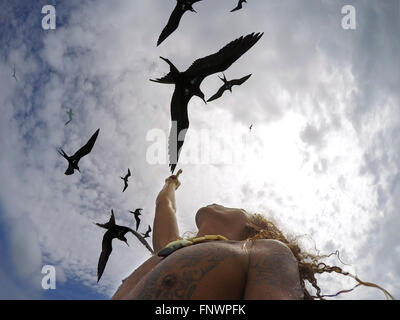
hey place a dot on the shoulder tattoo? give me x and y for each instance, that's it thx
(178, 276)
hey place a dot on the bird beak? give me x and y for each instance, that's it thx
(193, 10)
(127, 243)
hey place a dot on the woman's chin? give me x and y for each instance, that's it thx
(200, 214)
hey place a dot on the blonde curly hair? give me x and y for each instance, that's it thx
(309, 264)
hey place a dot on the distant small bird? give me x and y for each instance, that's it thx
(228, 86)
(13, 75)
(147, 234)
(251, 127)
(187, 84)
(69, 113)
(137, 213)
(126, 179)
(239, 6)
(181, 7)
(118, 232)
(73, 160)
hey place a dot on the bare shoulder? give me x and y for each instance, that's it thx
(270, 246)
(272, 272)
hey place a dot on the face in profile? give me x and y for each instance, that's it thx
(217, 219)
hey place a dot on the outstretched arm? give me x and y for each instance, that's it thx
(165, 227)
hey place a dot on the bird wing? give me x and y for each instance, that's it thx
(218, 94)
(169, 77)
(172, 24)
(238, 82)
(112, 218)
(148, 230)
(62, 152)
(102, 225)
(179, 126)
(136, 213)
(129, 173)
(125, 185)
(70, 169)
(67, 122)
(137, 221)
(137, 235)
(223, 59)
(105, 253)
(14, 75)
(87, 147)
(238, 7)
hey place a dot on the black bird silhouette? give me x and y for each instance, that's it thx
(73, 160)
(13, 75)
(187, 84)
(251, 127)
(147, 234)
(181, 7)
(126, 179)
(118, 232)
(70, 113)
(228, 86)
(239, 6)
(137, 213)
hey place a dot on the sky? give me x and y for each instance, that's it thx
(322, 158)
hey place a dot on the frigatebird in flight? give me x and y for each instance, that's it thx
(147, 234)
(13, 75)
(239, 5)
(126, 179)
(251, 127)
(73, 160)
(228, 86)
(114, 231)
(137, 213)
(187, 84)
(69, 113)
(181, 7)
